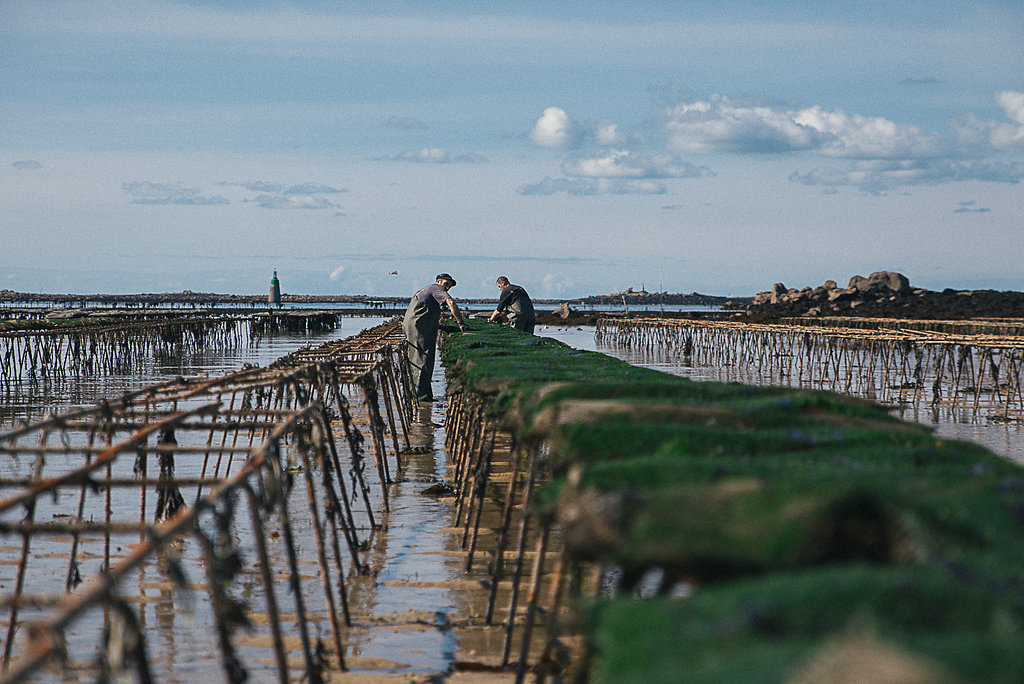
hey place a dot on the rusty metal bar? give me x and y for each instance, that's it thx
(524, 526)
(275, 410)
(949, 363)
(533, 595)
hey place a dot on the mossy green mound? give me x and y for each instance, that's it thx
(820, 532)
(929, 624)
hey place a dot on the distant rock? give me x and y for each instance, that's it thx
(881, 281)
(779, 293)
(631, 297)
(883, 294)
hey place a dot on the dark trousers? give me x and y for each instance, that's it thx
(420, 325)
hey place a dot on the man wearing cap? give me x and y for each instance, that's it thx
(422, 320)
(516, 304)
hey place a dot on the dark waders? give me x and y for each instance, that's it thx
(421, 322)
(521, 315)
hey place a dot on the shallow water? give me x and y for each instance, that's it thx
(31, 399)
(948, 421)
(416, 613)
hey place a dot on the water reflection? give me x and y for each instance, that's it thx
(950, 419)
(33, 398)
(415, 610)
(409, 607)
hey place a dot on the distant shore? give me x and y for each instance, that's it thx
(211, 298)
(883, 294)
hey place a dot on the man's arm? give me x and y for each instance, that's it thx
(455, 312)
(503, 301)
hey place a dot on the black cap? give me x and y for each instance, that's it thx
(446, 276)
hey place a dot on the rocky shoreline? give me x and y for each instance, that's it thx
(883, 294)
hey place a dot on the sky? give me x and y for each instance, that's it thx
(577, 147)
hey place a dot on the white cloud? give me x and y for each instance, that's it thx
(1013, 104)
(720, 124)
(280, 196)
(336, 273)
(292, 201)
(864, 137)
(255, 186)
(717, 125)
(311, 188)
(883, 175)
(554, 286)
(437, 155)
(592, 186)
(882, 154)
(616, 171)
(608, 133)
(628, 164)
(977, 136)
(144, 192)
(280, 188)
(555, 129)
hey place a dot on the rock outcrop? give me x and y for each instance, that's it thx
(563, 311)
(883, 294)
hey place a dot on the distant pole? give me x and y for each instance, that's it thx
(661, 290)
(275, 291)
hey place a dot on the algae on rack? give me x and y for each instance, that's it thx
(809, 530)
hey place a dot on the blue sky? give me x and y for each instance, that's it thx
(579, 148)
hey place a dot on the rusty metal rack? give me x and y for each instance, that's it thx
(967, 370)
(122, 342)
(523, 555)
(172, 527)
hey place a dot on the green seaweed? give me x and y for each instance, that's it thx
(771, 628)
(807, 520)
